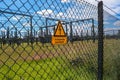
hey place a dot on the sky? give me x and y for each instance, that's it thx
(112, 4)
(112, 16)
(68, 10)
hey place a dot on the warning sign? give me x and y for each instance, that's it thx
(59, 36)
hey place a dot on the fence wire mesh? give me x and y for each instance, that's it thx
(26, 28)
(111, 45)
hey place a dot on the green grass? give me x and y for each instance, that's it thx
(49, 69)
(112, 59)
(18, 62)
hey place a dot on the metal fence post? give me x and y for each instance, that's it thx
(46, 20)
(100, 40)
(31, 28)
(93, 31)
(71, 32)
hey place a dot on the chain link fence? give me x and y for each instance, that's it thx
(26, 28)
(111, 45)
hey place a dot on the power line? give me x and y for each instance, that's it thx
(109, 9)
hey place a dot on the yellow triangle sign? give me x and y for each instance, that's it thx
(59, 36)
(59, 30)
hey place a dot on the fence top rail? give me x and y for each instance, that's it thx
(1, 11)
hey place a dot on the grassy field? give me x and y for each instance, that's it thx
(112, 59)
(47, 62)
(48, 69)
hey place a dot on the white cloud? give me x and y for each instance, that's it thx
(109, 12)
(16, 18)
(106, 23)
(45, 13)
(27, 24)
(64, 1)
(109, 29)
(92, 2)
(112, 4)
(76, 12)
(11, 26)
(109, 3)
(116, 9)
(3, 30)
(60, 14)
(22, 31)
(117, 23)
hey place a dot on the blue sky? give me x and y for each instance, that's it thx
(111, 19)
(68, 10)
